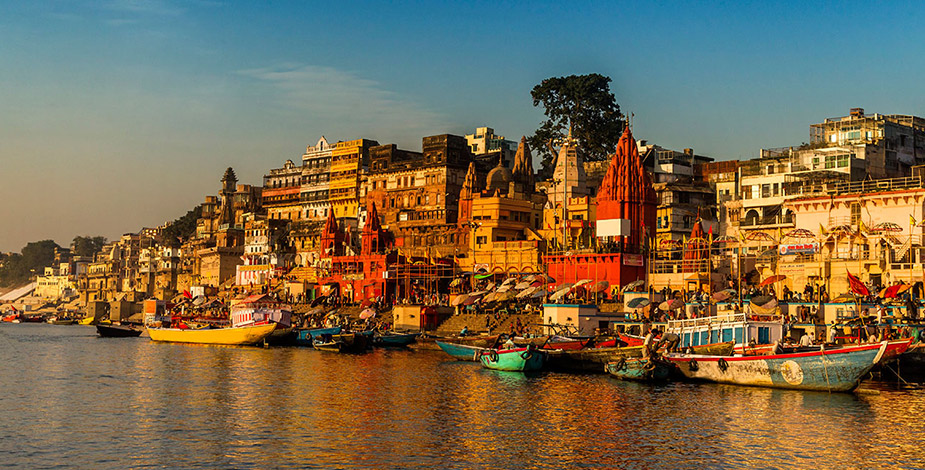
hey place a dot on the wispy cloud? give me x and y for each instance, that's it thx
(345, 97)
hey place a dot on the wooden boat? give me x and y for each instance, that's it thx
(632, 340)
(394, 339)
(307, 337)
(32, 319)
(517, 359)
(117, 331)
(463, 352)
(564, 342)
(639, 369)
(594, 359)
(13, 317)
(342, 343)
(86, 321)
(835, 370)
(477, 341)
(64, 321)
(242, 335)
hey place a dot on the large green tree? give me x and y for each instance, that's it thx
(584, 102)
(35, 257)
(87, 246)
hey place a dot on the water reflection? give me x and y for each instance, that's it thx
(71, 399)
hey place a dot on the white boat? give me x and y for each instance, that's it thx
(745, 330)
(261, 309)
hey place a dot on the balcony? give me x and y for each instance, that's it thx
(768, 222)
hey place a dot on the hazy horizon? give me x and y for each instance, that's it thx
(120, 114)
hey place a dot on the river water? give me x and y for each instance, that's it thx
(69, 399)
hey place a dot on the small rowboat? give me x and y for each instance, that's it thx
(117, 331)
(307, 337)
(639, 369)
(462, 352)
(518, 359)
(343, 343)
(394, 339)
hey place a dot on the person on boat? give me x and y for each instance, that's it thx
(832, 333)
(805, 340)
(648, 344)
(509, 344)
(465, 331)
(671, 341)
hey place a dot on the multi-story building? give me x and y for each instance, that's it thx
(417, 193)
(316, 174)
(348, 160)
(282, 189)
(484, 140)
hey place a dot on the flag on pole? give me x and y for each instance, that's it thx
(857, 286)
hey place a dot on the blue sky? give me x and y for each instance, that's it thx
(118, 114)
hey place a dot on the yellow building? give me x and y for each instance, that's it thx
(348, 159)
(503, 237)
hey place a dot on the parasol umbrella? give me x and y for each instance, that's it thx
(722, 295)
(459, 300)
(510, 280)
(472, 299)
(800, 233)
(847, 297)
(633, 285)
(765, 308)
(583, 282)
(490, 286)
(561, 292)
(528, 292)
(638, 302)
(759, 236)
(538, 294)
(489, 297)
(772, 279)
(841, 230)
(599, 286)
(504, 288)
(886, 227)
(671, 304)
(505, 296)
(763, 300)
(522, 285)
(368, 313)
(530, 278)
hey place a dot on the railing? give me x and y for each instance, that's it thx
(788, 219)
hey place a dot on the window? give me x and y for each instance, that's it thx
(481, 240)
(765, 190)
(855, 213)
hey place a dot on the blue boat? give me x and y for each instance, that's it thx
(307, 337)
(394, 339)
(640, 370)
(463, 352)
(834, 370)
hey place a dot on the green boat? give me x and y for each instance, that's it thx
(517, 359)
(639, 369)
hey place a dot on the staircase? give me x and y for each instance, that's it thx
(527, 320)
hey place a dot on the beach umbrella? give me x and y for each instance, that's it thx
(561, 292)
(472, 299)
(765, 308)
(529, 278)
(489, 298)
(633, 285)
(583, 282)
(724, 239)
(540, 293)
(722, 295)
(599, 286)
(847, 297)
(772, 279)
(638, 302)
(671, 304)
(459, 300)
(504, 288)
(490, 286)
(505, 296)
(800, 233)
(762, 300)
(528, 292)
(522, 285)
(368, 313)
(508, 281)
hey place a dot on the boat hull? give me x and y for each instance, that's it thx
(345, 343)
(835, 370)
(640, 370)
(243, 335)
(595, 359)
(307, 337)
(394, 340)
(462, 352)
(514, 360)
(117, 331)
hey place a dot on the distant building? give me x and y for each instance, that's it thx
(282, 189)
(348, 160)
(484, 140)
(316, 178)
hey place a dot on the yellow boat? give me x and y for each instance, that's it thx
(90, 321)
(241, 335)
